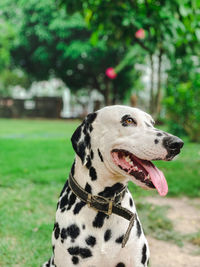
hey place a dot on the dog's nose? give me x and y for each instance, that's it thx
(173, 144)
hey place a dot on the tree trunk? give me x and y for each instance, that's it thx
(158, 93)
(151, 100)
(107, 93)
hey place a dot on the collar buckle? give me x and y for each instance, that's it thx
(91, 200)
(110, 206)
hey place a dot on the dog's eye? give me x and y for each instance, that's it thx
(127, 120)
(130, 121)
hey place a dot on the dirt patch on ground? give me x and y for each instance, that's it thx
(185, 215)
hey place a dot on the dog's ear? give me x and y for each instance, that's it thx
(81, 140)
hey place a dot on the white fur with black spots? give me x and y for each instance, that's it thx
(113, 146)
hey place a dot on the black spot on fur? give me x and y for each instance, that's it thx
(73, 231)
(139, 231)
(99, 219)
(120, 264)
(72, 200)
(81, 204)
(81, 150)
(91, 117)
(75, 260)
(159, 134)
(53, 263)
(63, 234)
(78, 207)
(88, 122)
(48, 263)
(83, 252)
(64, 188)
(76, 136)
(131, 202)
(144, 255)
(85, 128)
(73, 168)
(156, 141)
(80, 146)
(107, 235)
(110, 191)
(64, 199)
(89, 163)
(56, 230)
(100, 155)
(91, 154)
(88, 188)
(119, 239)
(87, 140)
(93, 173)
(90, 128)
(91, 241)
(74, 250)
(62, 210)
(83, 226)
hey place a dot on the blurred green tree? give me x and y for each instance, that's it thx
(9, 25)
(6, 38)
(158, 27)
(51, 43)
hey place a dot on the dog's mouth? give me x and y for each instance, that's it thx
(142, 170)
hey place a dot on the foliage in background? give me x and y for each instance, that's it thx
(43, 40)
(10, 78)
(51, 43)
(6, 39)
(183, 107)
(169, 30)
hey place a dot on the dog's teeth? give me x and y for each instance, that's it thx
(147, 177)
(136, 168)
(128, 159)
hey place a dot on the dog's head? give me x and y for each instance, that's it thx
(125, 140)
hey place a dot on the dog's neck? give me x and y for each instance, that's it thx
(106, 182)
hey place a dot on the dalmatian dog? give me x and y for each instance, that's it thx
(114, 145)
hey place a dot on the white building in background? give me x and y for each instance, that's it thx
(96, 100)
(66, 98)
(73, 105)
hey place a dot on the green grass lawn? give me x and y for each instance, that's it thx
(35, 159)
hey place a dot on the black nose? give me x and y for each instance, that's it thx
(173, 145)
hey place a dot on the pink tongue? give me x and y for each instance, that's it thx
(157, 178)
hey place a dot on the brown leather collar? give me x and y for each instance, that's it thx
(105, 205)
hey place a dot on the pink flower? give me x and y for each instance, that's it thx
(140, 34)
(110, 72)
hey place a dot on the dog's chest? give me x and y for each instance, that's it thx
(84, 236)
